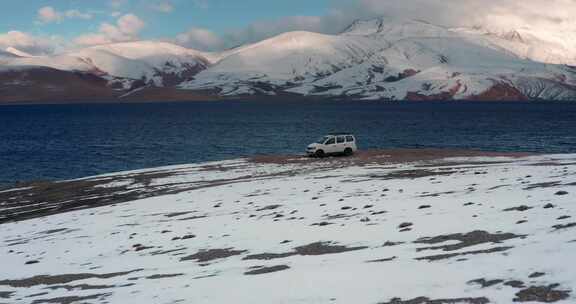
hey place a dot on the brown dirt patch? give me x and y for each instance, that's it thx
(60, 279)
(208, 255)
(70, 300)
(318, 248)
(451, 255)
(424, 300)
(164, 276)
(465, 240)
(383, 157)
(544, 294)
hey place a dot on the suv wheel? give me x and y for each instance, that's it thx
(320, 153)
(348, 152)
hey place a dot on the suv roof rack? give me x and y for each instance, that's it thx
(339, 133)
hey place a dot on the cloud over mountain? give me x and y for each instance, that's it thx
(496, 15)
(127, 28)
(28, 43)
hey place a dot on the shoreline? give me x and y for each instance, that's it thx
(267, 99)
(95, 191)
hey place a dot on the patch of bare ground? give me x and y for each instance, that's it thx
(164, 276)
(486, 283)
(565, 226)
(542, 294)
(425, 300)
(382, 260)
(465, 240)
(6, 294)
(521, 208)
(438, 257)
(263, 270)
(208, 255)
(318, 248)
(410, 174)
(72, 299)
(85, 287)
(61, 279)
(543, 185)
(384, 157)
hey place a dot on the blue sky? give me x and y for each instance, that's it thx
(216, 15)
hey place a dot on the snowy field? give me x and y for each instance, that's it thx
(440, 230)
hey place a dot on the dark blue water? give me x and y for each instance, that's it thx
(65, 141)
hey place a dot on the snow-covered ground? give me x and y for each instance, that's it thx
(446, 230)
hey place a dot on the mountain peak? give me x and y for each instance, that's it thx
(394, 27)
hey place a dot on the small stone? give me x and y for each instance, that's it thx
(424, 207)
(32, 262)
(561, 193)
(548, 206)
(536, 275)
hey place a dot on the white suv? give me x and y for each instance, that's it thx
(338, 143)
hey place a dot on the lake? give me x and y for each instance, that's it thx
(51, 142)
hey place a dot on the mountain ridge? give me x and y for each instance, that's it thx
(376, 59)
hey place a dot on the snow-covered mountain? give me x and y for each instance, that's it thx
(378, 59)
(396, 60)
(148, 62)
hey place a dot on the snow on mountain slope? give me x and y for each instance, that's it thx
(156, 63)
(393, 59)
(554, 47)
(161, 58)
(462, 230)
(288, 58)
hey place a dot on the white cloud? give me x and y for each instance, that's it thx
(163, 6)
(48, 14)
(201, 39)
(28, 43)
(77, 14)
(130, 24)
(497, 14)
(127, 28)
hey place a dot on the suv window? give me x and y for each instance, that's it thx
(331, 141)
(341, 139)
(349, 138)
